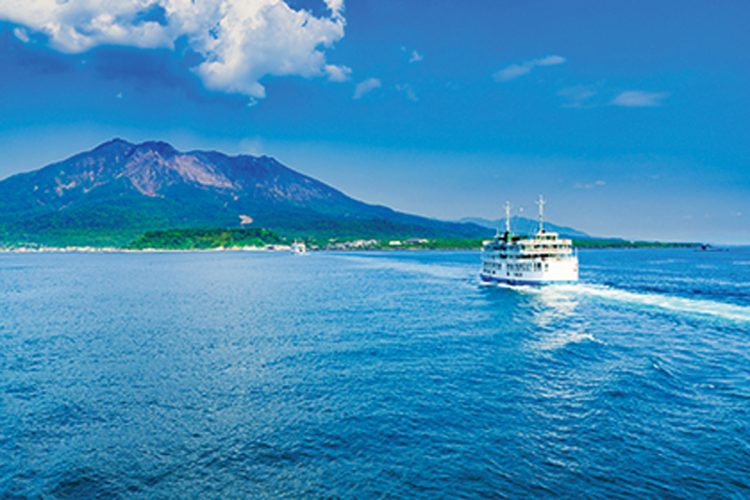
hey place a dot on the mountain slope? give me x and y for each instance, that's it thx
(523, 225)
(115, 192)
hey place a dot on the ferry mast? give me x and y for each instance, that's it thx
(507, 217)
(507, 222)
(541, 213)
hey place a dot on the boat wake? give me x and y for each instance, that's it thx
(555, 295)
(672, 303)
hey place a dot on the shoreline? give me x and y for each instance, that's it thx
(137, 250)
(282, 249)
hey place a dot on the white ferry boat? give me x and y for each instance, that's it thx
(299, 248)
(518, 260)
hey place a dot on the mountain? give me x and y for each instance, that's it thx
(523, 225)
(113, 193)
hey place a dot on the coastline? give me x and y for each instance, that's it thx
(86, 249)
(287, 248)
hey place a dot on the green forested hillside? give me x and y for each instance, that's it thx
(202, 239)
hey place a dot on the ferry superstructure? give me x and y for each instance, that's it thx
(543, 258)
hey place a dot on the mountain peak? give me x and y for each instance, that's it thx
(161, 147)
(121, 189)
(118, 144)
(114, 143)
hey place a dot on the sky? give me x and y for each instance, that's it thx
(631, 117)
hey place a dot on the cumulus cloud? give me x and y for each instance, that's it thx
(337, 73)
(639, 99)
(336, 7)
(366, 86)
(517, 70)
(240, 41)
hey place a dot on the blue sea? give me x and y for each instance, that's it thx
(393, 374)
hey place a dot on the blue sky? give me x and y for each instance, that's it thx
(631, 117)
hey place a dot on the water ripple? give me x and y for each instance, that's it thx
(390, 374)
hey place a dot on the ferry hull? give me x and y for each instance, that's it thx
(529, 271)
(522, 282)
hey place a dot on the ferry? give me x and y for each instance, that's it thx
(543, 258)
(299, 248)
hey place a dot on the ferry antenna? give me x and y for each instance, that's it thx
(507, 217)
(541, 213)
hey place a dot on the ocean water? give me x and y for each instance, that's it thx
(373, 374)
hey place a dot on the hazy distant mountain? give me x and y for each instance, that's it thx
(522, 225)
(113, 193)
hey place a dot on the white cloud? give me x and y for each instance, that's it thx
(550, 61)
(240, 41)
(517, 70)
(639, 99)
(414, 55)
(21, 34)
(408, 91)
(336, 7)
(366, 86)
(337, 73)
(590, 185)
(578, 96)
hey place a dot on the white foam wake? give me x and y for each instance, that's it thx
(554, 293)
(722, 310)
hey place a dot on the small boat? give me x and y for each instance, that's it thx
(299, 248)
(543, 258)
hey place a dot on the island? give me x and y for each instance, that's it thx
(203, 239)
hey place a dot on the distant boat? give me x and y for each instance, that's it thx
(299, 248)
(518, 260)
